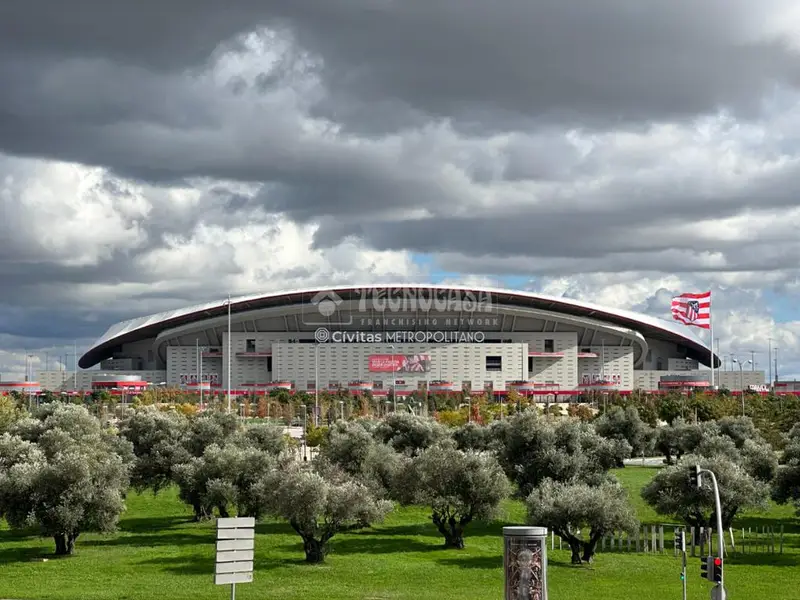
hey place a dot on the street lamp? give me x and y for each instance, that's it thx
(341, 408)
(316, 383)
(305, 416)
(29, 377)
(741, 377)
(394, 379)
(230, 375)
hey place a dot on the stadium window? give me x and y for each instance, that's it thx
(586, 350)
(150, 356)
(494, 363)
(549, 346)
(378, 385)
(530, 364)
(269, 364)
(659, 364)
(649, 358)
(250, 346)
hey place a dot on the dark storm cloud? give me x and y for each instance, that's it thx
(568, 59)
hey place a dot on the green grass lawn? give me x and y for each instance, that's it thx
(159, 553)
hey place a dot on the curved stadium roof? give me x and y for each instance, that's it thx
(143, 328)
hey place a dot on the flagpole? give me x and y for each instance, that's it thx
(711, 331)
(230, 375)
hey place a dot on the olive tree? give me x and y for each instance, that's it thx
(349, 447)
(677, 439)
(531, 449)
(63, 472)
(581, 514)
(472, 436)
(409, 434)
(159, 442)
(210, 428)
(672, 493)
(459, 487)
(224, 478)
(626, 425)
(786, 487)
(266, 438)
(318, 507)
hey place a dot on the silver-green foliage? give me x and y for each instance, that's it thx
(409, 434)
(531, 449)
(626, 425)
(318, 507)
(352, 449)
(672, 493)
(459, 487)
(224, 477)
(159, 442)
(581, 514)
(786, 487)
(63, 472)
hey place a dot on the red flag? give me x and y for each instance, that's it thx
(693, 309)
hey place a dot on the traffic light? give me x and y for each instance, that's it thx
(680, 540)
(716, 570)
(695, 477)
(706, 567)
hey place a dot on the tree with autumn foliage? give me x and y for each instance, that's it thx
(261, 410)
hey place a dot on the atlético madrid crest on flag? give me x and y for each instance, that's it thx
(693, 309)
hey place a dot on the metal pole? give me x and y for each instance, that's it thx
(683, 555)
(230, 375)
(316, 382)
(776, 364)
(197, 359)
(200, 378)
(233, 591)
(720, 533)
(752, 360)
(75, 365)
(603, 360)
(769, 362)
(394, 378)
(741, 385)
(711, 333)
(30, 390)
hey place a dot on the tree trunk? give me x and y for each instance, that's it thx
(315, 550)
(223, 511)
(575, 548)
(454, 539)
(65, 543)
(452, 529)
(589, 548)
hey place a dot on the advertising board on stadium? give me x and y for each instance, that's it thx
(400, 363)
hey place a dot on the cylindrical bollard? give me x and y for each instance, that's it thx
(525, 563)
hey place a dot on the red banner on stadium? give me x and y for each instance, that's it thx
(399, 363)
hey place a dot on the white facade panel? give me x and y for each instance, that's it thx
(55, 381)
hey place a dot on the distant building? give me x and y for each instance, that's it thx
(408, 337)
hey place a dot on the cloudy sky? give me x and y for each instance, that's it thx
(159, 154)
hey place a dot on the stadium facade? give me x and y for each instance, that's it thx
(439, 338)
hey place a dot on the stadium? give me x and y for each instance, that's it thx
(398, 337)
